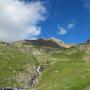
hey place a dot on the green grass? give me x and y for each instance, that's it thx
(70, 76)
(66, 71)
(73, 74)
(12, 61)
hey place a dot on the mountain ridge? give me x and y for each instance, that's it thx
(50, 42)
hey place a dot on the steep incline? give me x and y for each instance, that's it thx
(68, 70)
(64, 68)
(12, 62)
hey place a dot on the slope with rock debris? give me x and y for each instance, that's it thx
(66, 68)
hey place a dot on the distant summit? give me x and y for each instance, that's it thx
(50, 42)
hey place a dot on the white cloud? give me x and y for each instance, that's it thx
(70, 26)
(87, 4)
(62, 31)
(19, 20)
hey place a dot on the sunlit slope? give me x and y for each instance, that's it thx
(65, 68)
(12, 62)
(67, 71)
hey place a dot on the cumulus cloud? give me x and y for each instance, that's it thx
(19, 20)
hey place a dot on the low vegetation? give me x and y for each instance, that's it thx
(66, 69)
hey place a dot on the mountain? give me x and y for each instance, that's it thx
(64, 66)
(51, 42)
(61, 43)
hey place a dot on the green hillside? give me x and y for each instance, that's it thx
(64, 68)
(12, 61)
(69, 71)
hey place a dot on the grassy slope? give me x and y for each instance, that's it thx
(12, 61)
(68, 72)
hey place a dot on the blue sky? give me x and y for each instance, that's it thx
(61, 13)
(68, 20)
